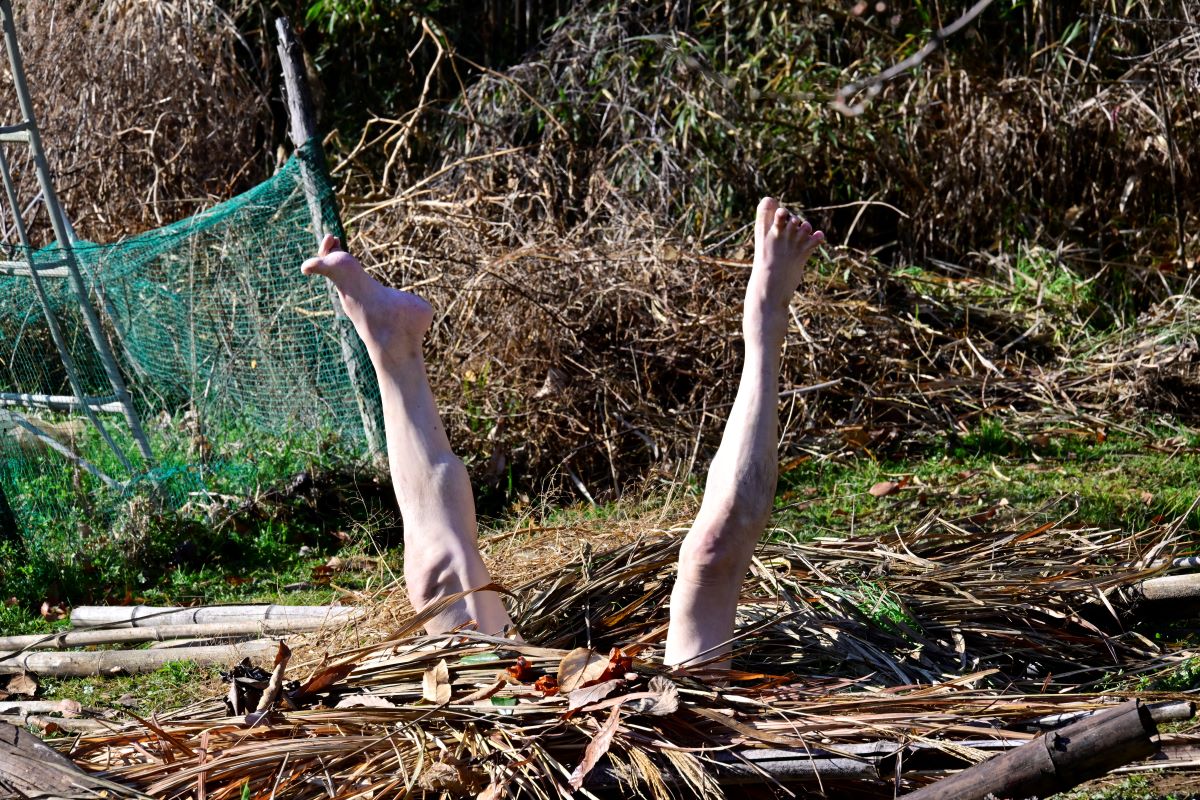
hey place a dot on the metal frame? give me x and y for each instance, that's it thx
(65, 267)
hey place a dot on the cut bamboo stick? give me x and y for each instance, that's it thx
(160, 633)
(157, 616)
(117, 662)
(1171, 587)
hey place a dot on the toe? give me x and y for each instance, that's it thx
(766, 214)
(328, 245)
(781, 218)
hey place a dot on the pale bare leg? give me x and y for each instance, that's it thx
(441, 553)
(740, 489)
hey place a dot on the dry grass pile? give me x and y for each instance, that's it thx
(578, 230)
(146, 114)
(922, 654)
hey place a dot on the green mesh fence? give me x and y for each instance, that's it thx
(228, 350)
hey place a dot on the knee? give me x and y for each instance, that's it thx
(429, 577)
(717, 555)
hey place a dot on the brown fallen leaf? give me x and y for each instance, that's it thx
(53, 612)
(70, 708)
(487, 691)
(579, 667)
(596, 748)
(24, 683)
(883, 488)
(664, 698)
(435, 684)
(584, 695)
(365, 701)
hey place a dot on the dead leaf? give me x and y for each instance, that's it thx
(365, 701)
(521, 671)
(70, 708)
(487, 691)
(327, 677)
(665, 700)
(435, 685)
(24, 683)
(585, 695)
(53, 612)
(579, 667)
(596, 748)
(883, 488)
(546, 685)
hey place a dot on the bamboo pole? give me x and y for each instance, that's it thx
(162, 633)
(1056, 761)
(122, 662)
(1170, 587)
(303, 131)
(159, 616)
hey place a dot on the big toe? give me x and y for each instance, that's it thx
(765, 217)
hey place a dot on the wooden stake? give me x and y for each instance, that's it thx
(304, 131)
(28, 768)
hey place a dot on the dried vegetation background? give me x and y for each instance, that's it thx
(147, 110)
(582, 227)
(577, 209)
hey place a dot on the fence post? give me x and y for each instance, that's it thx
(303, 129)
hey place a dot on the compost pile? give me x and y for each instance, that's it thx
(883, 663)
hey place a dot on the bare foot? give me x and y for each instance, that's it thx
(782, 246)
(385, 318)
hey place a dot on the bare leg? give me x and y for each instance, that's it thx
(740, 489)
(441, 553)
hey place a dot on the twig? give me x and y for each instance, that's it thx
(873, 85)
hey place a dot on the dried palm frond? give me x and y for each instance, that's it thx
(863, 659)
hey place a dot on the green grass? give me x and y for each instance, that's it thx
(1119, 482)
(199, 510)
(172, 686)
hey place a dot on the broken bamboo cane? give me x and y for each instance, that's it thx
(117, 662)
(1056, 761)
(150, 616)
(161, 633)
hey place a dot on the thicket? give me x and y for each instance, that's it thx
(570, 186)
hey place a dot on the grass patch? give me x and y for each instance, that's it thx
(1114, 481)
(172, 686)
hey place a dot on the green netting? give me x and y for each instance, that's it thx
(224, 345)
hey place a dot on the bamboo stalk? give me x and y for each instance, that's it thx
(153, 616)
(1171, 587)
(73, 725)
(161, 633)
(303, 130)
(117, 662)
(1056, 761)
